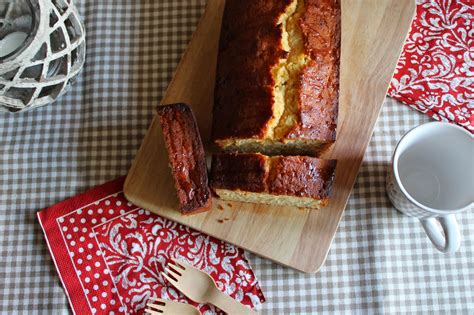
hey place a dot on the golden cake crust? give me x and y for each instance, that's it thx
(251, 55)
(187, 158)
(246, 171)
(301, 176)
(296, 176)
(250, 44)
(319, 90)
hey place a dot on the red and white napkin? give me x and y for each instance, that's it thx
(109, 254)
(435, 72)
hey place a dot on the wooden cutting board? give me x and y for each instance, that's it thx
(373, 32)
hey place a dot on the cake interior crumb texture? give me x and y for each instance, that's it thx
(266, 198)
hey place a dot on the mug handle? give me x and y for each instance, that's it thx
(452, 236)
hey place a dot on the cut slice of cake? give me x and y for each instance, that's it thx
(299, 181)
(277, 84)
(187, 158)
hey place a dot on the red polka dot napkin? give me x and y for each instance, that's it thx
(435, 72)
(110, 254)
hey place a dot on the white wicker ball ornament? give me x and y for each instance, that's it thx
(42, 50)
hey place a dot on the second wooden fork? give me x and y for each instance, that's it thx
(166, 307)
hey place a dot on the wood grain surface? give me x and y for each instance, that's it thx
(373, 32)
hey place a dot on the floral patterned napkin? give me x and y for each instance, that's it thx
(435, 73)
(109, 254)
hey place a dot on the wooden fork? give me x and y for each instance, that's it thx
(163, 307)
(201, 288)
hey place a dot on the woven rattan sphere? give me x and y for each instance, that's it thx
(49, 59)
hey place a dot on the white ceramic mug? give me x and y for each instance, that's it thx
(432, 178)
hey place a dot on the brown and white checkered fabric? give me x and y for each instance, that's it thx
(380, 261)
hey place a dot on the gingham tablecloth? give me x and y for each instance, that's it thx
(380, 261)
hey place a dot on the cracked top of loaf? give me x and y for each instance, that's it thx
(277, 81)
